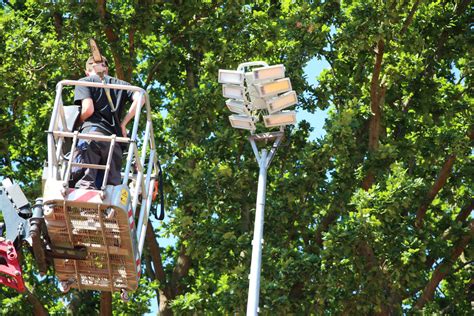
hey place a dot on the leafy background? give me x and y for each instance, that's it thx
(374, 217)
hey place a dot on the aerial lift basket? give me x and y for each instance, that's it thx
(111, 222)
(104, 226)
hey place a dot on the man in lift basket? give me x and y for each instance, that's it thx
(101, 110)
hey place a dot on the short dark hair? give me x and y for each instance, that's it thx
(91, 62)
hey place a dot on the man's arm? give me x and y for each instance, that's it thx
(131, 113)
(87, 109)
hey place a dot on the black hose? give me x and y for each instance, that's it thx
(162, 196)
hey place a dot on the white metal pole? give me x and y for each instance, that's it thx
(254, 284)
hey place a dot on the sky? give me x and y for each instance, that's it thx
(316, 119)
(312, 70)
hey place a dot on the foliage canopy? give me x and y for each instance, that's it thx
(373, 217)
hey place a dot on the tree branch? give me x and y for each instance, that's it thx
(10, 5)
(409, 18)
(196, 19)
(181, 269)
(151, 73)
(444, 268)
(149, 271)
(163, 293)
(437, 186)
(430, 67)
(443, 38)
(465, 211)
(38, 308)
(372, 264)
(462, 216)
(377, 96)
(131, 48)
(155, 254)
(324, 225)
(58, 23)
(111, 37)
(190, 80)
(460, 8)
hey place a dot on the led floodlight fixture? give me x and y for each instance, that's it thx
(267, 73)
(242, 122)
(280, 119)
(237, 106)
(255, 89)
(282, 102)
(231, 76)
(273, 88)
(233, 91)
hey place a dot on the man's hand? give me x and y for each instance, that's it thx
(124, 130)
(130, 114)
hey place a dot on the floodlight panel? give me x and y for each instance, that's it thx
(233, 91)
(237, 106)
(274, 87)
(267, 73)
(282, 102)
(242, 122)
(280, 119)
(231, 76)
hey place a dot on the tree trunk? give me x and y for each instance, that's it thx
(437, 186)
(105, 303)
(165, 309)
(38, 308)
(155, 254)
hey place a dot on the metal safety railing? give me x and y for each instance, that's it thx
(59, 167)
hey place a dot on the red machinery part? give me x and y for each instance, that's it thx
(155, 191)
(10, 270)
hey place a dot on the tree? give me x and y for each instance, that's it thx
(374, 217)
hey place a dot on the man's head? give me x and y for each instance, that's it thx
(93, 68)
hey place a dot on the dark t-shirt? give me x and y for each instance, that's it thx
(103, 117)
